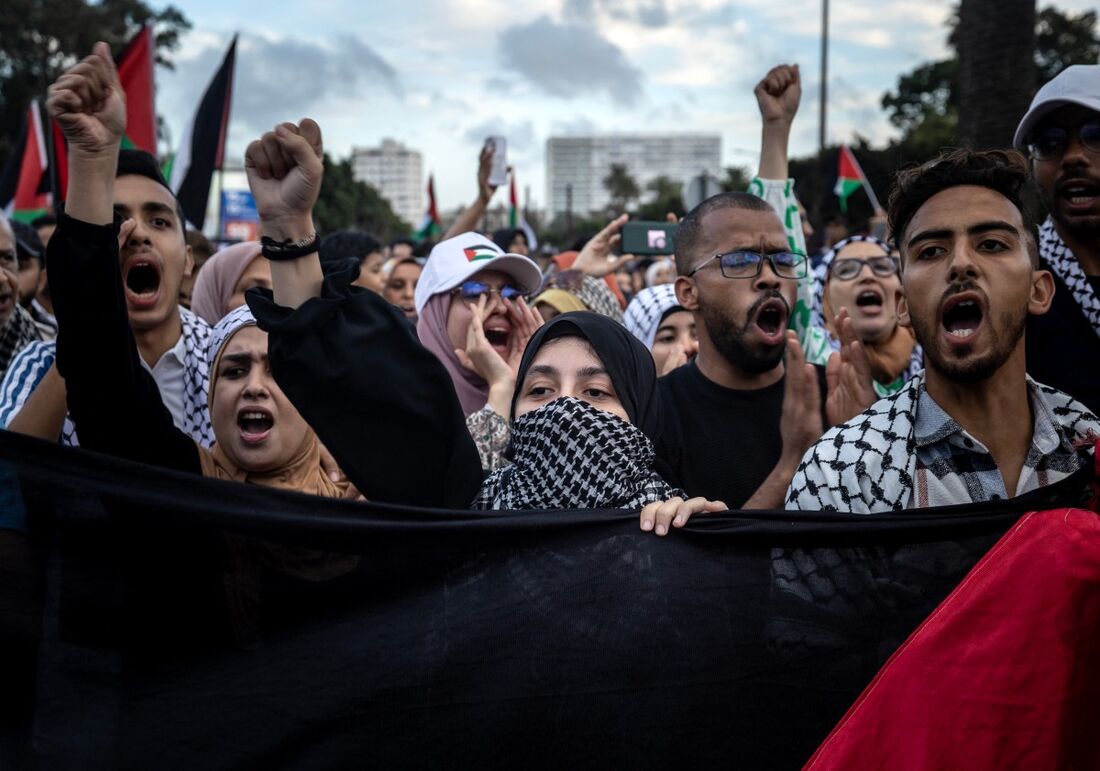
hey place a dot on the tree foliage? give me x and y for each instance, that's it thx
(40, 39)
(345, 202)
(621, 186)
(667, 195)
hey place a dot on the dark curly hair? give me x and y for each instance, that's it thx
(1003, 171)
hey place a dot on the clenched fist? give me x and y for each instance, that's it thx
(90, 106)
(284, 170)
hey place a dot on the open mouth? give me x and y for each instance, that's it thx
(255, 424)
(1079, 193)
(962, 316)
(142, 283)
(771, 319)
(498, 337)
(869, 298)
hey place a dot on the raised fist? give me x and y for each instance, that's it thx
(89, 104)
(779, 93)
(284, 170)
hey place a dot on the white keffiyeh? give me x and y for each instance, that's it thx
(1061, 261)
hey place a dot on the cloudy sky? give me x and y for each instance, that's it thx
(441, 75)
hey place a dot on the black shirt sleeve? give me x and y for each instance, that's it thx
(113, 400)
(379, 401)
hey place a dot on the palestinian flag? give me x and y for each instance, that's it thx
(202, 146)
(429, 226)
(850, 178)
(25, 186)
(135, 73)
(516, 219)
(475, 253)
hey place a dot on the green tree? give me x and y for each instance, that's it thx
(621, 186)
(40, 39)
(737, 179)
(1062, 39)
(667, 196)
(345, 202)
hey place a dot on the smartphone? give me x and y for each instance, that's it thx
(498, 173)
(649, 237)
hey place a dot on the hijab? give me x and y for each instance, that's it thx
(218, 278)
(570, 455)
(431, 328)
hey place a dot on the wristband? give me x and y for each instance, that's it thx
(278, 251)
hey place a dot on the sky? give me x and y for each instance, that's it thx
(441, 75)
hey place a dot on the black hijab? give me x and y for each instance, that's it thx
(626, 359)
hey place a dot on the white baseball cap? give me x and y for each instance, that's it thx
(453, 261)
(1076, 84)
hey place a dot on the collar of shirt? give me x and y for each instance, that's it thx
(934, 425)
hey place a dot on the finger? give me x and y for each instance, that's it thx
(465, 360)
(299, 148)
(686, 509)
(311, 132)
(124, 231)
(255, 159)
(662, 519)
(614, 226)
(647, 515)
(352, 493)
(274, 152)
(103, 51)
(714, 506)
(832, 372)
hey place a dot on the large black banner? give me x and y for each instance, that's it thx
(159, 620)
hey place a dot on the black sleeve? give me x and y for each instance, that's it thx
(113, 400)
(379, 401)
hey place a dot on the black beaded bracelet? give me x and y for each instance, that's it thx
(278, 251)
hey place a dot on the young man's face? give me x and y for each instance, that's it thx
(156, 257)
(968, 282)
(30, 274)
(1069, 180)
(744, 318)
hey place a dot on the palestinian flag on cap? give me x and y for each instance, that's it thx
(429, 224)
(202, 145)
(475, 253)
(850, 178)
(515, 216)
(28, 187)
(135, 73)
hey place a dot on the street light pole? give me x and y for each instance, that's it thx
(824, 74)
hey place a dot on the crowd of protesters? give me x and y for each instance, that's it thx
(956, 360)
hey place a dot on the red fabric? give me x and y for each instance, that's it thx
(565, 261)
(1005, 673)
(30, 195)
(135, 72)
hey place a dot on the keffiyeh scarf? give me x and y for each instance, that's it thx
(570, 455)
(1062, 262)
(19, 332)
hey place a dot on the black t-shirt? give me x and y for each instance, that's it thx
(1063, 350)
(718, 442)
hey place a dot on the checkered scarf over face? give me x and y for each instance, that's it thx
(570, 455)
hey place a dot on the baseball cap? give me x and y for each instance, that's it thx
(1076, 84)
(453, 261)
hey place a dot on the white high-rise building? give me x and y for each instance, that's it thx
(577, 166)
(396, 172)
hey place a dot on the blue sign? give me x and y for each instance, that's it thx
(239, 205)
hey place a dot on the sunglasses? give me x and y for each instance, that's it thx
(473, 290)
(850, 267)
(1049, 143)
(748, 264)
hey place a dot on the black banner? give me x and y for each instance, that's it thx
(158, 620)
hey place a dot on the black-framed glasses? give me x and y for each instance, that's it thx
(473, 290)
(1049, 143)
(748, 264)
(848, 268)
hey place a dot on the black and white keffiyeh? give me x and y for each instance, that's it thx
(643, 315)
(570, 455)
(1061, 261)
(17, 334)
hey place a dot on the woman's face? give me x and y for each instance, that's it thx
(519, 245)
(498, 326)
(871, 300)
(254, 423)
(258, 273)
(370, 273)
(567, 366)
(401, 288)
(677, 332)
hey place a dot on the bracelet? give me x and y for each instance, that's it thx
(287, 249)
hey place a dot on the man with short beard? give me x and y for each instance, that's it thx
(1061, 133)
(738, 418)
(973, 426)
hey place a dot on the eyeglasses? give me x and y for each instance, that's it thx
(850, 267)
(473, 290)
(748, 264)
(9, 259)
(1049, 143)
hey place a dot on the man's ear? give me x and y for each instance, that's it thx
(188, 262)
(902, 305)
(686, 293)
(1042, 292)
